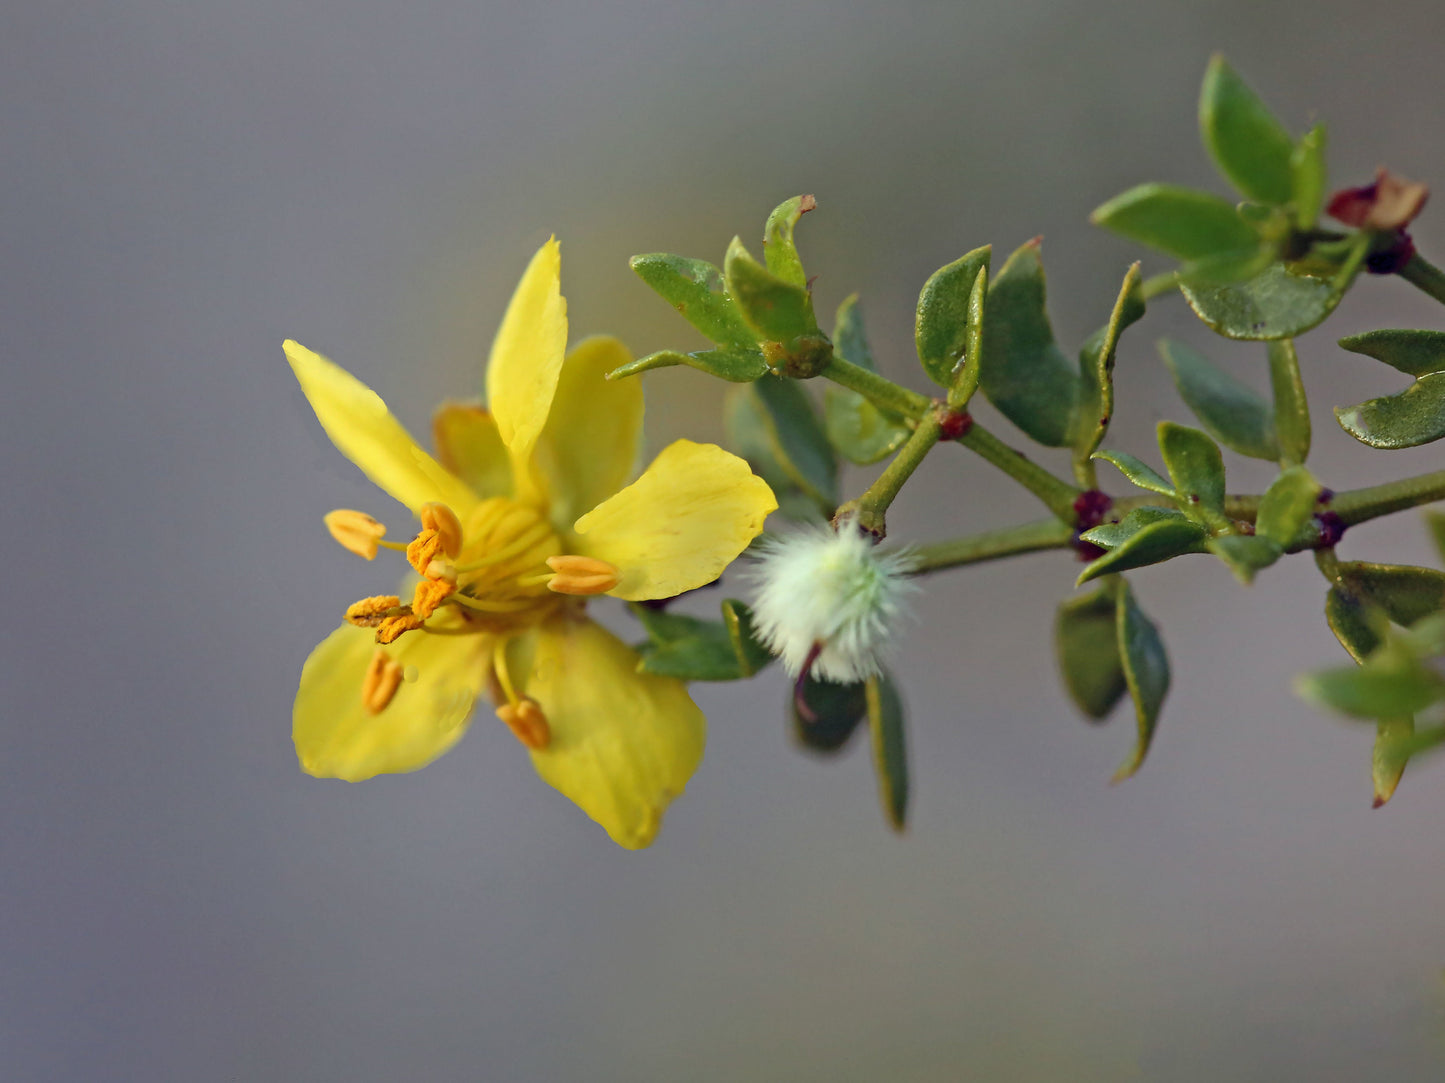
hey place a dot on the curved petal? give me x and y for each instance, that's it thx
(469, 445)
(527, 356)
(680, 524)
(589, 448)
(361, 426)
(624, 743)
(336, 737)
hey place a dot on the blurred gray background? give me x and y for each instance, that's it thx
(186, 184)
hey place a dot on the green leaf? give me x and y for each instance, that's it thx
(1391, 754)
(1277, 303)
(1359, 628)
(940, 327)
(1181, 222)
(733, 364)
(1251, 147)
(1416, 353)
(779, 248)
(1232, 413)
(1245, 554)
(860, 431)
(1404, 592)
(778, 310)
(1288, 504)
(966, 372)
(751, 434)
(833, 712)
(797, 439)
(1413, 417)
(890, 759)
(696, 289)
(1380, 688)
(1197, 470)
(1154, 543)
(1087, 648)
(752, 656)
(1096, 362)
(1308, 178)
(1138, 471)
(1146, 671)
(1111, 535)
(686, 648)
(1291, 408)
(1435, 520)
(1023, 372)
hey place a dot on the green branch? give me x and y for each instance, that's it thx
(1424, 276)
(1057, 495)
(992, 545)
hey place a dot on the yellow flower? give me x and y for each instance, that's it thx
(525, 515)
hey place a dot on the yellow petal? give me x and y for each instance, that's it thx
(680, 524)
(623, 743)
(527, 355)
(589, 448)
(361, 426)
(469, 445)
(336, 737)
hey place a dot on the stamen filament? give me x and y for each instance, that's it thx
(481, 606)
(518, 545)
(499, 667)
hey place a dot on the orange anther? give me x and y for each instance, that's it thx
(355, 531)
(444, 521)
(379, 683)
(369, 612)
(582, 575)
(527, 723)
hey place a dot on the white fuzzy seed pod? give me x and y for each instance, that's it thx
(832, 590)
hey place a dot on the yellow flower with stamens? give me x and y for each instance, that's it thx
(524, 513)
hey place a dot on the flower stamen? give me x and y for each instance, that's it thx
(355, 531)
(444, 522)
(370, 612)
(581, 575)
(523, 715)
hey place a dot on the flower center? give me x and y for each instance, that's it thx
(501, 571)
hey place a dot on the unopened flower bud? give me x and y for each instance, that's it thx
(829, 601)
(355, 531)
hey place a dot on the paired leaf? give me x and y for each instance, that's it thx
(1413, 417)
(1276, 303)
(1245, 554)
(696, 289)
(776, 309)
(687, 648)
(1197, 469)
(1393, 740)
(1288, 504)
(1022, 371)
(1405, 593)
(940, 329)
(797, 439)
(1146, 537)
(779, 249)
(1415, 353)
(1251, 147)
(1096, 363)
(1146, 672)
(1291, 408)
(828, 714)
(1387, 685)
(1181, 222)
(890, 759)
(1113, 534)
(1086, 644)
(752, 656)
(751, 433)
(1138, 471)
(1231, 412)
(1435, 520)
(1359, 628)
(733, 364)
(860, 431)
